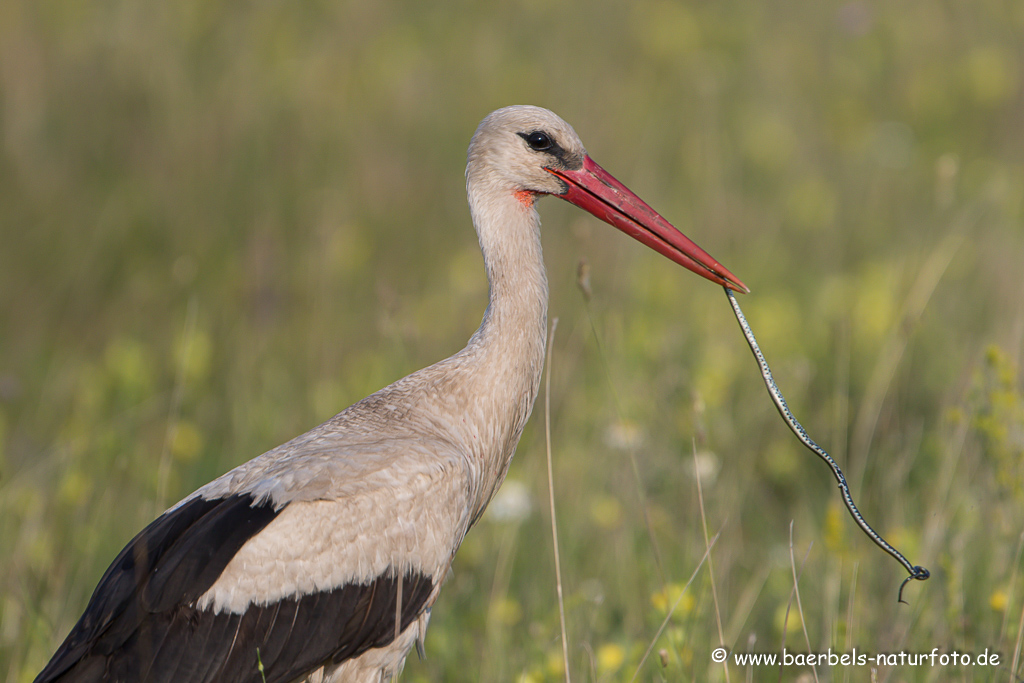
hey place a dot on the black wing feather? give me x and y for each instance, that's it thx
(168, 564)
(192, 564)
(141, 623)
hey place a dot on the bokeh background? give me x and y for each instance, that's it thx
(221, 223)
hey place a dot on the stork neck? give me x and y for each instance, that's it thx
(516, 318)
(506, 354)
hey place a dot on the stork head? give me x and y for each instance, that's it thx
(529, 151)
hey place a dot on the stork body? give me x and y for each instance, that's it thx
(320, 559)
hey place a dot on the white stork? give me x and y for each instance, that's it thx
(320, 560)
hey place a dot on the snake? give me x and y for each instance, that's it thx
(915, 572)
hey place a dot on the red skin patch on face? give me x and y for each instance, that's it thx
(525, 197)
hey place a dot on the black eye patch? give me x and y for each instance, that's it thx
(539, 141)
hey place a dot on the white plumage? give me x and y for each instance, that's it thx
(305, 558)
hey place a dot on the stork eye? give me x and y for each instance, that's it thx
(539, 141)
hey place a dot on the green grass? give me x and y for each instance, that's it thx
(221, 224)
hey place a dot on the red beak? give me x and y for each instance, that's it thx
(595, 190)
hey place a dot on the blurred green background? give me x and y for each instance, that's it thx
(221, 223)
